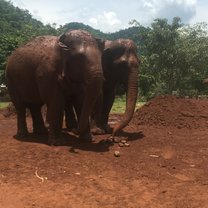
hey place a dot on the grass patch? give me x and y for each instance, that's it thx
(3, 104)
(119, 105)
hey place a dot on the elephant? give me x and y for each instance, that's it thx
(120, 65)
(48, 69)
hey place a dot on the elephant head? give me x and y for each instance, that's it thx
(120, 65)
(79, 50)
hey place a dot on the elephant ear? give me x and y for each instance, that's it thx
(113, 52)
(61, 42)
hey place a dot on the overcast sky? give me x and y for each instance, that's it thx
(113, 15)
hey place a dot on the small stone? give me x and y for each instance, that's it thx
(121, 144)
(156, 156)
(78, 174)
(123, 141)
(117, 153)
(109, 140)
(126, 144)
(116, 140)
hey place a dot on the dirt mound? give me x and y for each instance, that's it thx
(173, 111)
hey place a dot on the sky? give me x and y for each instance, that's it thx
(113, 15)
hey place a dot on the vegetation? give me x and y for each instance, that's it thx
(16, 27)
(3, 105)
(174, 56)
(120, 104)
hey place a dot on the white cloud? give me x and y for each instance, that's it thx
(110, 16)
(93, 21)
(186, 9)
(107, 21)
(201, 13)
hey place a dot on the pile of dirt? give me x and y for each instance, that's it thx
(174, 112)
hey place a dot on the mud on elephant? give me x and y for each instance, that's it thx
(120, 65)
(47, 70)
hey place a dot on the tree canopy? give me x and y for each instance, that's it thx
(174, 56)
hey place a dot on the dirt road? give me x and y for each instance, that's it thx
(165, 166)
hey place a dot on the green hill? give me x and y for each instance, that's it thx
(78, 25)
(131, 32)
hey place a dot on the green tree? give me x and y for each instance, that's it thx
(162, 53)
(193, 44)
(16, 27)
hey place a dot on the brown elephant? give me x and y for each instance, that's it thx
(47, 70)
(120, 65)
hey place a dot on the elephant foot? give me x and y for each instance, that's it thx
(21, 134)
(70, 127)
(42, 132)
(86, 138)
(108, 129)
(97, 131)
(74, 131)
(52, 140)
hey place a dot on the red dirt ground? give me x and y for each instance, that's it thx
(166, 165)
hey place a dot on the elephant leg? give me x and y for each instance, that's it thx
(108, 99)
(38, 123)
(85, 136)
(22, 130)
(70, 116)
(55, 116)
(95, 121)
(55, 112)
(20, 107)
(44, 112)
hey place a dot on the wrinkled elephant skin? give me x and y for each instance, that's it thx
(120, 65)
(47, 70)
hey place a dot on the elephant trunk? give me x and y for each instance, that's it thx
(93, 90)
(131, 97)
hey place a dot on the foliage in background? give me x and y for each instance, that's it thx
(16, 27)
(119, 105)
(174, 56)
